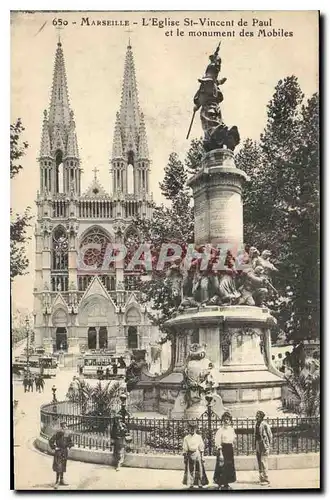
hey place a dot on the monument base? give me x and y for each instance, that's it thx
(238, 343)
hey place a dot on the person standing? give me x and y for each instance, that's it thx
(224, 472)
(119, 432)
(60, 442)
(193, 449)
(263, 440)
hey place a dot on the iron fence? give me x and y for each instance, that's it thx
(152, 435)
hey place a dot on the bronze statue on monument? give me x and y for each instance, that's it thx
(208, 98)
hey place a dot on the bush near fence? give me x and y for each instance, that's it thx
(290, 434)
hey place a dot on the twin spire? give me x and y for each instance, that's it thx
(129, 139)
(59, 129)
(130, 132)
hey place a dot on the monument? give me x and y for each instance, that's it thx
(223, 314)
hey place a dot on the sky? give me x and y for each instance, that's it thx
(167, 69)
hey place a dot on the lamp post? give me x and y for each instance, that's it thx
(209, 399)
(27, 324)
(54, 393)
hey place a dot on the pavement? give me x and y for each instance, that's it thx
(33, 469)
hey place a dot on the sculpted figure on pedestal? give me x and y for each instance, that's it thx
(197, 375)
(174, 279)
(208, 98)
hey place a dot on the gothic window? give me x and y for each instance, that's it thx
(83, 282)
(59, 272)
(132, 282)
(60, 250)
(59, 179)
(94, 257)
(133, 316)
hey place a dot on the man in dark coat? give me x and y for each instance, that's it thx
(60, 442)
(119, 432)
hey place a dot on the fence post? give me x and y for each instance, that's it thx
(209, 399)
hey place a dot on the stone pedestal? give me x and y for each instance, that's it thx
(238, 343)
(217, 190)
(237, 338)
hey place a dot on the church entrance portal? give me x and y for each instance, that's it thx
(61, 339)
(132, 337)
(103, 337)
(92, 338)
(97, 337)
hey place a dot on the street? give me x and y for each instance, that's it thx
(33, 469)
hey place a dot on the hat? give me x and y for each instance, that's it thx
(261, 413)
(197, 349)
(226, 415)
(192, 425)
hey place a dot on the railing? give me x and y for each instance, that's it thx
(290, 435)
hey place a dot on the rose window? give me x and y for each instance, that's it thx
(94, 247)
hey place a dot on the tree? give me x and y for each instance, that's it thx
(17, 147)
(305, 389)
(18, 325)
(175, 178)
(281, 206)
(281, 209)
(194, 156)
(169, 224)
(19, 222)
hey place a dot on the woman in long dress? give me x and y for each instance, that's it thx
(193, 449)
(225, 472)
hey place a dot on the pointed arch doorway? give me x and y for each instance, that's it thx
(61, 339)
(97, 337)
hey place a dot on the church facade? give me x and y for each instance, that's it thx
(79, 302)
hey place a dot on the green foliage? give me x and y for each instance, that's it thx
(17, 147)
(194, 156)
(103, 399)
(281, 209)
(281, 204)
(170, 224)
(175, 178)
(19, 222)
(18, 326)
(305, 387)
(80, 392)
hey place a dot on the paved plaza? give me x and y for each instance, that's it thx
(33, 469)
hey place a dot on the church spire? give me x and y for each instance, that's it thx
(129, 106)
(45, 148)
(59, 112)
(72, 144)
(130, 146)
(143, 153)
(59, 154)
(117, 145)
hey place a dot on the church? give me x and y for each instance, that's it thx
(83, 307)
